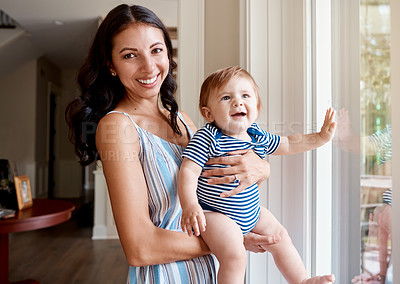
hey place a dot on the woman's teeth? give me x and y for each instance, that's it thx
(150, 81)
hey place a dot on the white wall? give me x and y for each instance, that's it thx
(24, 126)
(191, 56)
(208, 39)
(16, 49)
(166, 10)
(68, 172)
(17, 119)
(221, 42)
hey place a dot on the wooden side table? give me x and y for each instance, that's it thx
(44, 213)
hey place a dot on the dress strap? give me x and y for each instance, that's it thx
(137, 126)
(184, 123)
(127, 115)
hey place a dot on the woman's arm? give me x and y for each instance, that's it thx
(245, 165)
(118, 144)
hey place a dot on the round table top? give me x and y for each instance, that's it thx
(43, 213)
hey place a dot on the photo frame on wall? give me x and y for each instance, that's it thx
(23, 190)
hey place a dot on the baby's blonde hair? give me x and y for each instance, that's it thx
(220, 78)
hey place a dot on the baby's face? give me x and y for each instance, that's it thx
(233, 108)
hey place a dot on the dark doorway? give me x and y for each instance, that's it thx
(52, 133)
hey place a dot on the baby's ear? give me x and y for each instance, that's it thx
(206, 113)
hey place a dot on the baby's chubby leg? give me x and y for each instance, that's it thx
(225, 239)
(284, 252)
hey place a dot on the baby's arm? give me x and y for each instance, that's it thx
(193, 218)
(299, 143)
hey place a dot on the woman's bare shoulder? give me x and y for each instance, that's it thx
(188, 121)
(117, 128)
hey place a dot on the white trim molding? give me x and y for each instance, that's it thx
(276, 57)
(346, 179)
(322, 157)
(191, 55)
(395, 96)
(104, 225)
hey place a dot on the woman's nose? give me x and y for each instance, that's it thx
(148, 64)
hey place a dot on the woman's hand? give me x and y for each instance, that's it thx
(246, 167)
(255, 243)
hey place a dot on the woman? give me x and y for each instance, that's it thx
(127, 72)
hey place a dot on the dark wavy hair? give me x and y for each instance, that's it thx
(100, 92)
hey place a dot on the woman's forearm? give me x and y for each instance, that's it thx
(164, 246)
(143, 242)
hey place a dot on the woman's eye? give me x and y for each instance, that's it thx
(225, 98)
(129, 55)
(246, 96)
(157, 50)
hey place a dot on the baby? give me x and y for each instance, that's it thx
(230, 103)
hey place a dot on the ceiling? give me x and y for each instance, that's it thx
(66, 45)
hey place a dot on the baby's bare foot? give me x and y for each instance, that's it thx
(326, 279)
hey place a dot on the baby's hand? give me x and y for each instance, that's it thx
(193, 220)
(329, 126)
(343, 131)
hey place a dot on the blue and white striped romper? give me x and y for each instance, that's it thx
(161, 161)
(210, 142)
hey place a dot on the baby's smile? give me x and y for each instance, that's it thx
(239, 114)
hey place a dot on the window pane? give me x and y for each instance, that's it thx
(375, 128)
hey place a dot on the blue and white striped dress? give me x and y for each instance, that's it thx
(210, 142)
(161, 161)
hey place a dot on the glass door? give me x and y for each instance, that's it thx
(376, 139)
(363, 161)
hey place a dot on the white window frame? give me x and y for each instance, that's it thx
(275, 55)
(322, 157)
(346, 78)
(395, 91)
(191, 55)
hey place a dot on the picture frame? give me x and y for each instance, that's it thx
(23, 191)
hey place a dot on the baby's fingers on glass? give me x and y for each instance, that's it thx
(331, 114)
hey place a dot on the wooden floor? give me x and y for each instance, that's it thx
(66, 254)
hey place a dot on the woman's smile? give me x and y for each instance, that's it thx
(148, 83)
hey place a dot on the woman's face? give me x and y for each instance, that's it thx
(140, 59)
